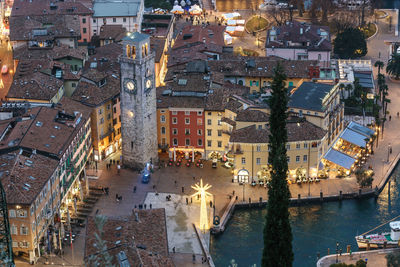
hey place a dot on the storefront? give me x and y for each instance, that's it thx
(243, 176)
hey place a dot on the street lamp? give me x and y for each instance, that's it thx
(337, 252)
(388, 153)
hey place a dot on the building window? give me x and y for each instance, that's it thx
(305, 158)
(243, 160)
(199, 132)
(209, 113)
(22, 213)
(259, 127)
(14, 230)
(297, 146)
(219, 132)
(199, 113)
(24, 230)
(162, 111)
(209, 143)
(269, 148)
(209, 122)
(297, 158)
(94, 20)
(300, 113)
(114, 19)
(258, 148)
(219, 143)
(319, 56)
(187, 142)
(208, 132)
(287, 147)
(73, 84)
(187, 131)
(187, 113)
(162, 118)
(219, 122)
(199, 121)
(109, 116)
(187, 121)
(314, 144)
(162, 130)
(174, 112)
(12, 213)
(258, 161)
(101, 120)
(84, 30)
(84, 20)
(100, 111)
(305, 145)
(174, 131)
(200, 142)
(124, 19)
(108, 106)
(174, 120)
(175, 142)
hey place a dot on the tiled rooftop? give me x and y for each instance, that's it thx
(309, 96)
(112, 32)
(56, 52)
(252, 115)
(300, 35)
(193, 35)
(260, 67)
(50, 26)
(47, 7)
(36, 85)
(142, 236)
(296, 131)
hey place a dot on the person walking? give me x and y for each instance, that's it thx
(118, 168)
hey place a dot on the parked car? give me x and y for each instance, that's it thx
(146, 176)
(4, 69)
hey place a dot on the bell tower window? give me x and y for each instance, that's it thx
(133, 49)
(128, 51)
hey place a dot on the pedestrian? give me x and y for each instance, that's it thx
(154, 186)
(397, 114)
(187, 201)
(194, 178)
(151, 206)
(118, 168)
(114, 161)
(110, 161)
(191, 200)
(175, 182)
(116, 197)
(183, 189)
(145, 206)
(210, 204)
(107, 190)
(194, 258)
(173, 249)
(390, 117)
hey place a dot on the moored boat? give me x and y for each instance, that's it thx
(381, 240)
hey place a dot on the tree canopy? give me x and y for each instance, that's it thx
(350, 43)
(277, 232)
(393, 66)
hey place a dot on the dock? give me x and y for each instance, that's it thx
(225, 217)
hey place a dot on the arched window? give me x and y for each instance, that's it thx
(146, 49)
(240, 82)
(143, 51)
(128, 51)
(133, 48)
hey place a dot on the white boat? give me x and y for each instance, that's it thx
(381, 240)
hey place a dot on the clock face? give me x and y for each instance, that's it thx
(148, 84)
(130, 86)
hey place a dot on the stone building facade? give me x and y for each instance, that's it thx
(138, 102)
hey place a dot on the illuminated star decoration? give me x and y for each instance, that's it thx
(201, 191)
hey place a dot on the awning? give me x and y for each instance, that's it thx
(339, 158)
(356, 127)
(354, 137)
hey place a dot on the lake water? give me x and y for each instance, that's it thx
(315, 228)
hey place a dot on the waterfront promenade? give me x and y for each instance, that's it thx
(373, 257)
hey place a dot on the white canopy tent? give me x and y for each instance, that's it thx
(195, 10)
(177, 10)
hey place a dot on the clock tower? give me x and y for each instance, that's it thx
(138, 102)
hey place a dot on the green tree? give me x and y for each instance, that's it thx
(379, 64)
(393, 259)
(158, 4)
(277, 232)
(364, 178)
(359, 263)
(350, 44)
(393, 66)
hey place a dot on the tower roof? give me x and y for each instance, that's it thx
(135, 37)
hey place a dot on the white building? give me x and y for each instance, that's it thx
(128, 13)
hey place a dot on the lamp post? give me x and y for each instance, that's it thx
(337, 252)
(388, 152)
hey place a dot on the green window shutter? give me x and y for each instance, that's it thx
(251, 83)
(257, 83)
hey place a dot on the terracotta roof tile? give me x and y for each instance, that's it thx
(250, 115)
(193, 35)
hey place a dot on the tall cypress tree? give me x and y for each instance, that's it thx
(277, 232)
